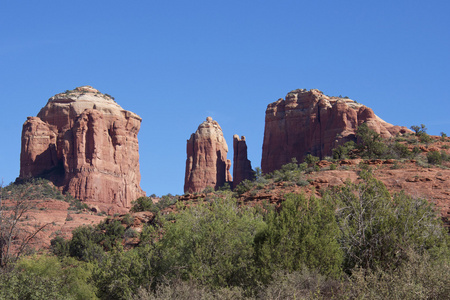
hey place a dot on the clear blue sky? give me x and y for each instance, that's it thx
(176, 62)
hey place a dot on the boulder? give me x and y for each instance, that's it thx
(207, 164)
(87, 145)
(309, 122)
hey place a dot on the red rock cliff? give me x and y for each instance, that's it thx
(242, 167)
(311, 122)
(207, 164)
(87, 145)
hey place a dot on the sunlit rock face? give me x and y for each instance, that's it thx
(207, 164)
(309, 122)
(87, 145)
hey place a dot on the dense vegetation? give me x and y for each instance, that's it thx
(357, 241)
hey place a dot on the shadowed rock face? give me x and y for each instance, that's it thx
(87, 145)
(311, 122)
(207, 164)
(242, 167)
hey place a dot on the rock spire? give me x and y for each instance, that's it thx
(207, 164)
(242, 167)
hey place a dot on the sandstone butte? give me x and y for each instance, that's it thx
(87, 145)
(207, 164)
(309, 122)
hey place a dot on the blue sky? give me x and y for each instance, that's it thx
(176, 62)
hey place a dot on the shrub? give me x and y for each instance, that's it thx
(425, 138)
(344, 151)
(178, 289)
(46, 277)
(399, 150)
(89, 243)
(32, 189)
(303, 284)
(120, 273)
(225, 187)
(302, 182)
(311, 160)
(212, 243)
(370, 143)
(396, 165)
(84, 244)
(376, 228)
(243, 186)
(434, 157)
(208, 189)
(166, 201)
(144, 204)
(59, 246)
(303, 234)
(415, 151)
(127, 219)
(419, 277)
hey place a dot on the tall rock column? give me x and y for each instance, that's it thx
(87, 145)
(207, 164)
(242, 167)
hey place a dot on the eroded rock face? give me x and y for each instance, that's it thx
(311, 122)
(207, 164)
(242, 167)
(87, 145)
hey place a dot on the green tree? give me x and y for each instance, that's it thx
(89, 243)
(303, 234)
(121, 273)
(434, 157)
(370, 143)
(419, 130)
(46, 277)
(144, 204)
(212, 243)
(399, 150)
(311, 160)
(343, 151)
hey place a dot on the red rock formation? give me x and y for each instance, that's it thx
(311, 122)
(207, 164)
(242, 167)
(87, 145)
